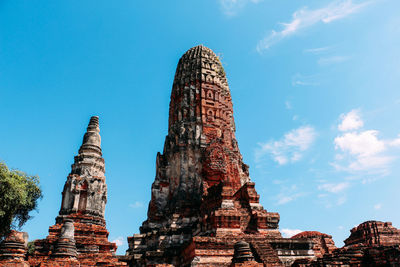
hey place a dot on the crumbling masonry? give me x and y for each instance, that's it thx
(204, 209)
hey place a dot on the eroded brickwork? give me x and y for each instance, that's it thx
(13, 250)
(204, 209)
(323, 243)
(203, 200)
(80, 237)
(371, 243)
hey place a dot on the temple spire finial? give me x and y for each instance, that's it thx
(91, 139)
(94, 123)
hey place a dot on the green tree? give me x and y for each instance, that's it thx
(19, 194)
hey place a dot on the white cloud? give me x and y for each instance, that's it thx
(286, 198)
(288, 105)
(395, 142)
(323, 61)
(377, 206)
(288, 194)
(290, 232)
(364, 149)
(290, 148)
(232, 7)
(304, 18)
(119, 241)
(318, 50)
(305, 80)
(137, 204)
(341, 200)
(362, 144)
(360, 150)
(334, 188)
(351, 121)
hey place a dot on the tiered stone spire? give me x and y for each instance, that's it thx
(85, 191)
(79, 236)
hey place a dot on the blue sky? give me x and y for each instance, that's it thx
(315, 86)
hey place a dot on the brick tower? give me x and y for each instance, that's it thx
(202, 199)
(79, 236)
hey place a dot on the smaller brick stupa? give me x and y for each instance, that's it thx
(80, 237)
(13, 250)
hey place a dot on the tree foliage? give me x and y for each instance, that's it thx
(19, 194)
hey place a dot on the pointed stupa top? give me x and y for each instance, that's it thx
(85, 191)
(201, 64)
(89, 161)
(92, 140)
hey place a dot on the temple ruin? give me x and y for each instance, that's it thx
(204, 209)
(79, 237)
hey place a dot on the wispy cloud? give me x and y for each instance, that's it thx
(232, 7)
(119, 241)
(291, 146)
(324, 61)
(305, 18)
(334, 188)
(334, 194)
(288, 105)
(341, 200)
(290, 232)
(305, 80)
(377, 206)
(137, 204)
(318, 50)
(288, 194)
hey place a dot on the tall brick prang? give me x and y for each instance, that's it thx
(202, 199)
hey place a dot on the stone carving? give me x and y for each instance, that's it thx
(372, 233)
(79, 236)
(204, 209)
(85, 190)
(202, 198)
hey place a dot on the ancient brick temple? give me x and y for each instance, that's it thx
(203, 201)
(204, 209)
(80, 237)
